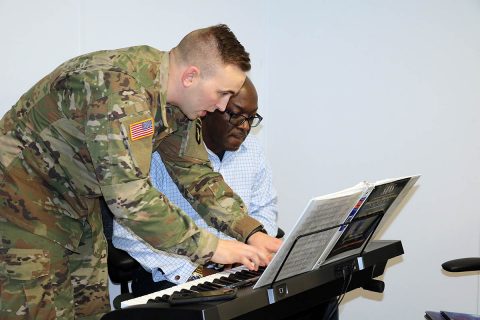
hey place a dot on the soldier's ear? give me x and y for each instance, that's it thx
(190, 75)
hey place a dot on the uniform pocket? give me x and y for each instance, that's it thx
(26, 264)
(25, 287)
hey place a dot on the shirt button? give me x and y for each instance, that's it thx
(177, 277)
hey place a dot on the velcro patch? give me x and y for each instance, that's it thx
(141, 129)
(198, 132)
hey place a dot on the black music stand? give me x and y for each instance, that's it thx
(368, 225)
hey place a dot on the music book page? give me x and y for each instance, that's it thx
(335, 226)
(383, 197)
(322, 214)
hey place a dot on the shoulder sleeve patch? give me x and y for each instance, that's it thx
(141, 129)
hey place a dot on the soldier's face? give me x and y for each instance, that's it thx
(222, 135)
(210, 93)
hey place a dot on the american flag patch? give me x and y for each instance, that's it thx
(141, 129)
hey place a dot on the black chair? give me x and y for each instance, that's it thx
(457, 265)
(121, 266)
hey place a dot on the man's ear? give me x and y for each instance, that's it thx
(190, 75)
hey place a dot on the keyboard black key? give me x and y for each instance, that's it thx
(238, 278)
(221, 282)
(206, 286)
(241, 276)
(250, 273)
(214, 285)
(159, 299)
(186, 291)
(228, 280)
(198, 288)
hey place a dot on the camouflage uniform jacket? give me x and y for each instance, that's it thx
(87, 130)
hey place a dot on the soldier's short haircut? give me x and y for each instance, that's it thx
(205, 47)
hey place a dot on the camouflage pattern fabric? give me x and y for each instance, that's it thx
(40, 279)
(88, 130)
(89, 272)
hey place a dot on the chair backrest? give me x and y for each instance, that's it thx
(121, 266)
(107, 219)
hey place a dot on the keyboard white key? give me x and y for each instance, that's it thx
(186, 285)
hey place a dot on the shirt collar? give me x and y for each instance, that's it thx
(228, 154)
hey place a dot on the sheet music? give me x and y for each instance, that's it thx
(322, 213)
(384, 196)
(338, 233)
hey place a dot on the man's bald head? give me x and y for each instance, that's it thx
(247, 91)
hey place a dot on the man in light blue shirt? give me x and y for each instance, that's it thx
(240, 159)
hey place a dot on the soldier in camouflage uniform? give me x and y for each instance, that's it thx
(87, 130)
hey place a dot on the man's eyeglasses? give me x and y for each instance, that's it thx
(237, 119)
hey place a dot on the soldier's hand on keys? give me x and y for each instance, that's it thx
(265, 243)
(232, 251)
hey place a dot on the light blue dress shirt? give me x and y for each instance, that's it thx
(245, 171)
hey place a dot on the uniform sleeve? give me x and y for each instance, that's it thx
(186, 160)
(119, 135)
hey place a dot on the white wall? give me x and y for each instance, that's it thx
(350, 90)
(373, 89)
